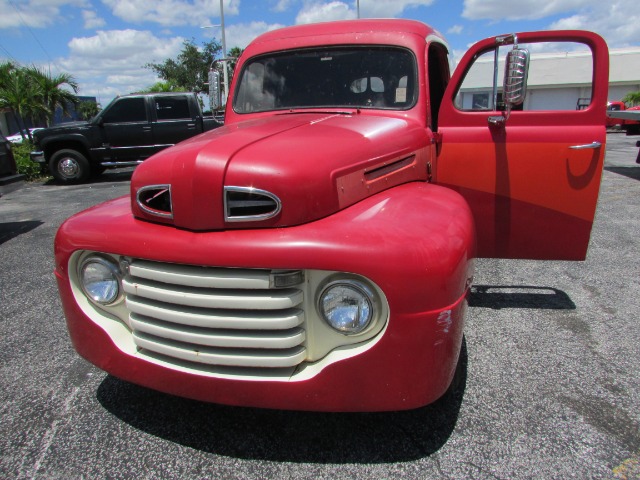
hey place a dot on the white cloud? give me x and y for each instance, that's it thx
(525, 9)
(123, 44)
(91, 20)
(171, 12)
(112, 63)
(314, 12)
(241, 34)
(616, 20)
(124, 80)
(283, 5)
(455, 30)
(456, 56)
(33, 13)
(389, 9)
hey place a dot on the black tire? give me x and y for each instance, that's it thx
(69, 167)
(633, 130)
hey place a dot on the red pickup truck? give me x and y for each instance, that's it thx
(317, 251)
(619, 116)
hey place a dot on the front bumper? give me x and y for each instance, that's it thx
(424, 274)
(38, 157)
(410, 366)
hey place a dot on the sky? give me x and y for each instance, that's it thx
(105, 44)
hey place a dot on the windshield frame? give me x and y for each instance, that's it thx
(410, 89)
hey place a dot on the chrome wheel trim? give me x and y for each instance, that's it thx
(68, 167)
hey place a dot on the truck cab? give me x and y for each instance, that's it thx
(317, 251)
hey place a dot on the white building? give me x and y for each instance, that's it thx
(557, 81)
(624, 72)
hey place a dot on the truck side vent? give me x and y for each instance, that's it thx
(155, 200)
(246, 204)
(389, 168)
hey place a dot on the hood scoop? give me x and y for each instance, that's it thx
(245, 204)
(155, 200)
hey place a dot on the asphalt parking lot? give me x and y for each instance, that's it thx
(550, 385)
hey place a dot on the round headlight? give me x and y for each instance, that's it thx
(347, 306)
(100, 280)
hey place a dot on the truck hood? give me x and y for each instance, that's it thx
(61, 128)
(282, 170)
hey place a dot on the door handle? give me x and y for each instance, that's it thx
(592, 145)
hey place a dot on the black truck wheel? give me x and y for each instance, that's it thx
(69, 166)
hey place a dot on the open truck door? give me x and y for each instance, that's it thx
(530, 168)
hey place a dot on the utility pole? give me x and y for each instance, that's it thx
(358, 7)
(224, 56)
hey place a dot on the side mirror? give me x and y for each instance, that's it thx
(215, 92)
(514, 87)
(516, 70)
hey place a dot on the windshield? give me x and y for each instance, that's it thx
(356, 77)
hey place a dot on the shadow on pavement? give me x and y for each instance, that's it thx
(517, 296)
(11, 230)
(289, 436)
(631, 172)
(116, 175)
(109, 176)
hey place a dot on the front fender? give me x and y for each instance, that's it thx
(76, 141)
(416, 241)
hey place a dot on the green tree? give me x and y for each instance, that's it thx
(19, 94)
(632, 98)
(52, 92)
(34, 94)
(189, 70)
(160, 87)
(87, 109)
(235, 53)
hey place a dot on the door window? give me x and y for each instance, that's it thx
(172, 108)
(560, 77)
(126, 110)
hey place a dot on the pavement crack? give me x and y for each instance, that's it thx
(50, 435)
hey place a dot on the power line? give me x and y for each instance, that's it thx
(30, 31)
(8, 54)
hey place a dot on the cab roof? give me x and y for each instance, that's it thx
(350, 27)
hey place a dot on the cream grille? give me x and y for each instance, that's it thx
(215, 316)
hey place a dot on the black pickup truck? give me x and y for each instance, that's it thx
(129, 130)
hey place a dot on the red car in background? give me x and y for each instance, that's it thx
(631, 126)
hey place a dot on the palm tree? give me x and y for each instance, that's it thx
(166, 86)
(51, 92)
(87, 109)
(234, 53)
(19, 94)
(633, 98)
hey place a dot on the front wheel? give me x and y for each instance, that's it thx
(69, 166)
